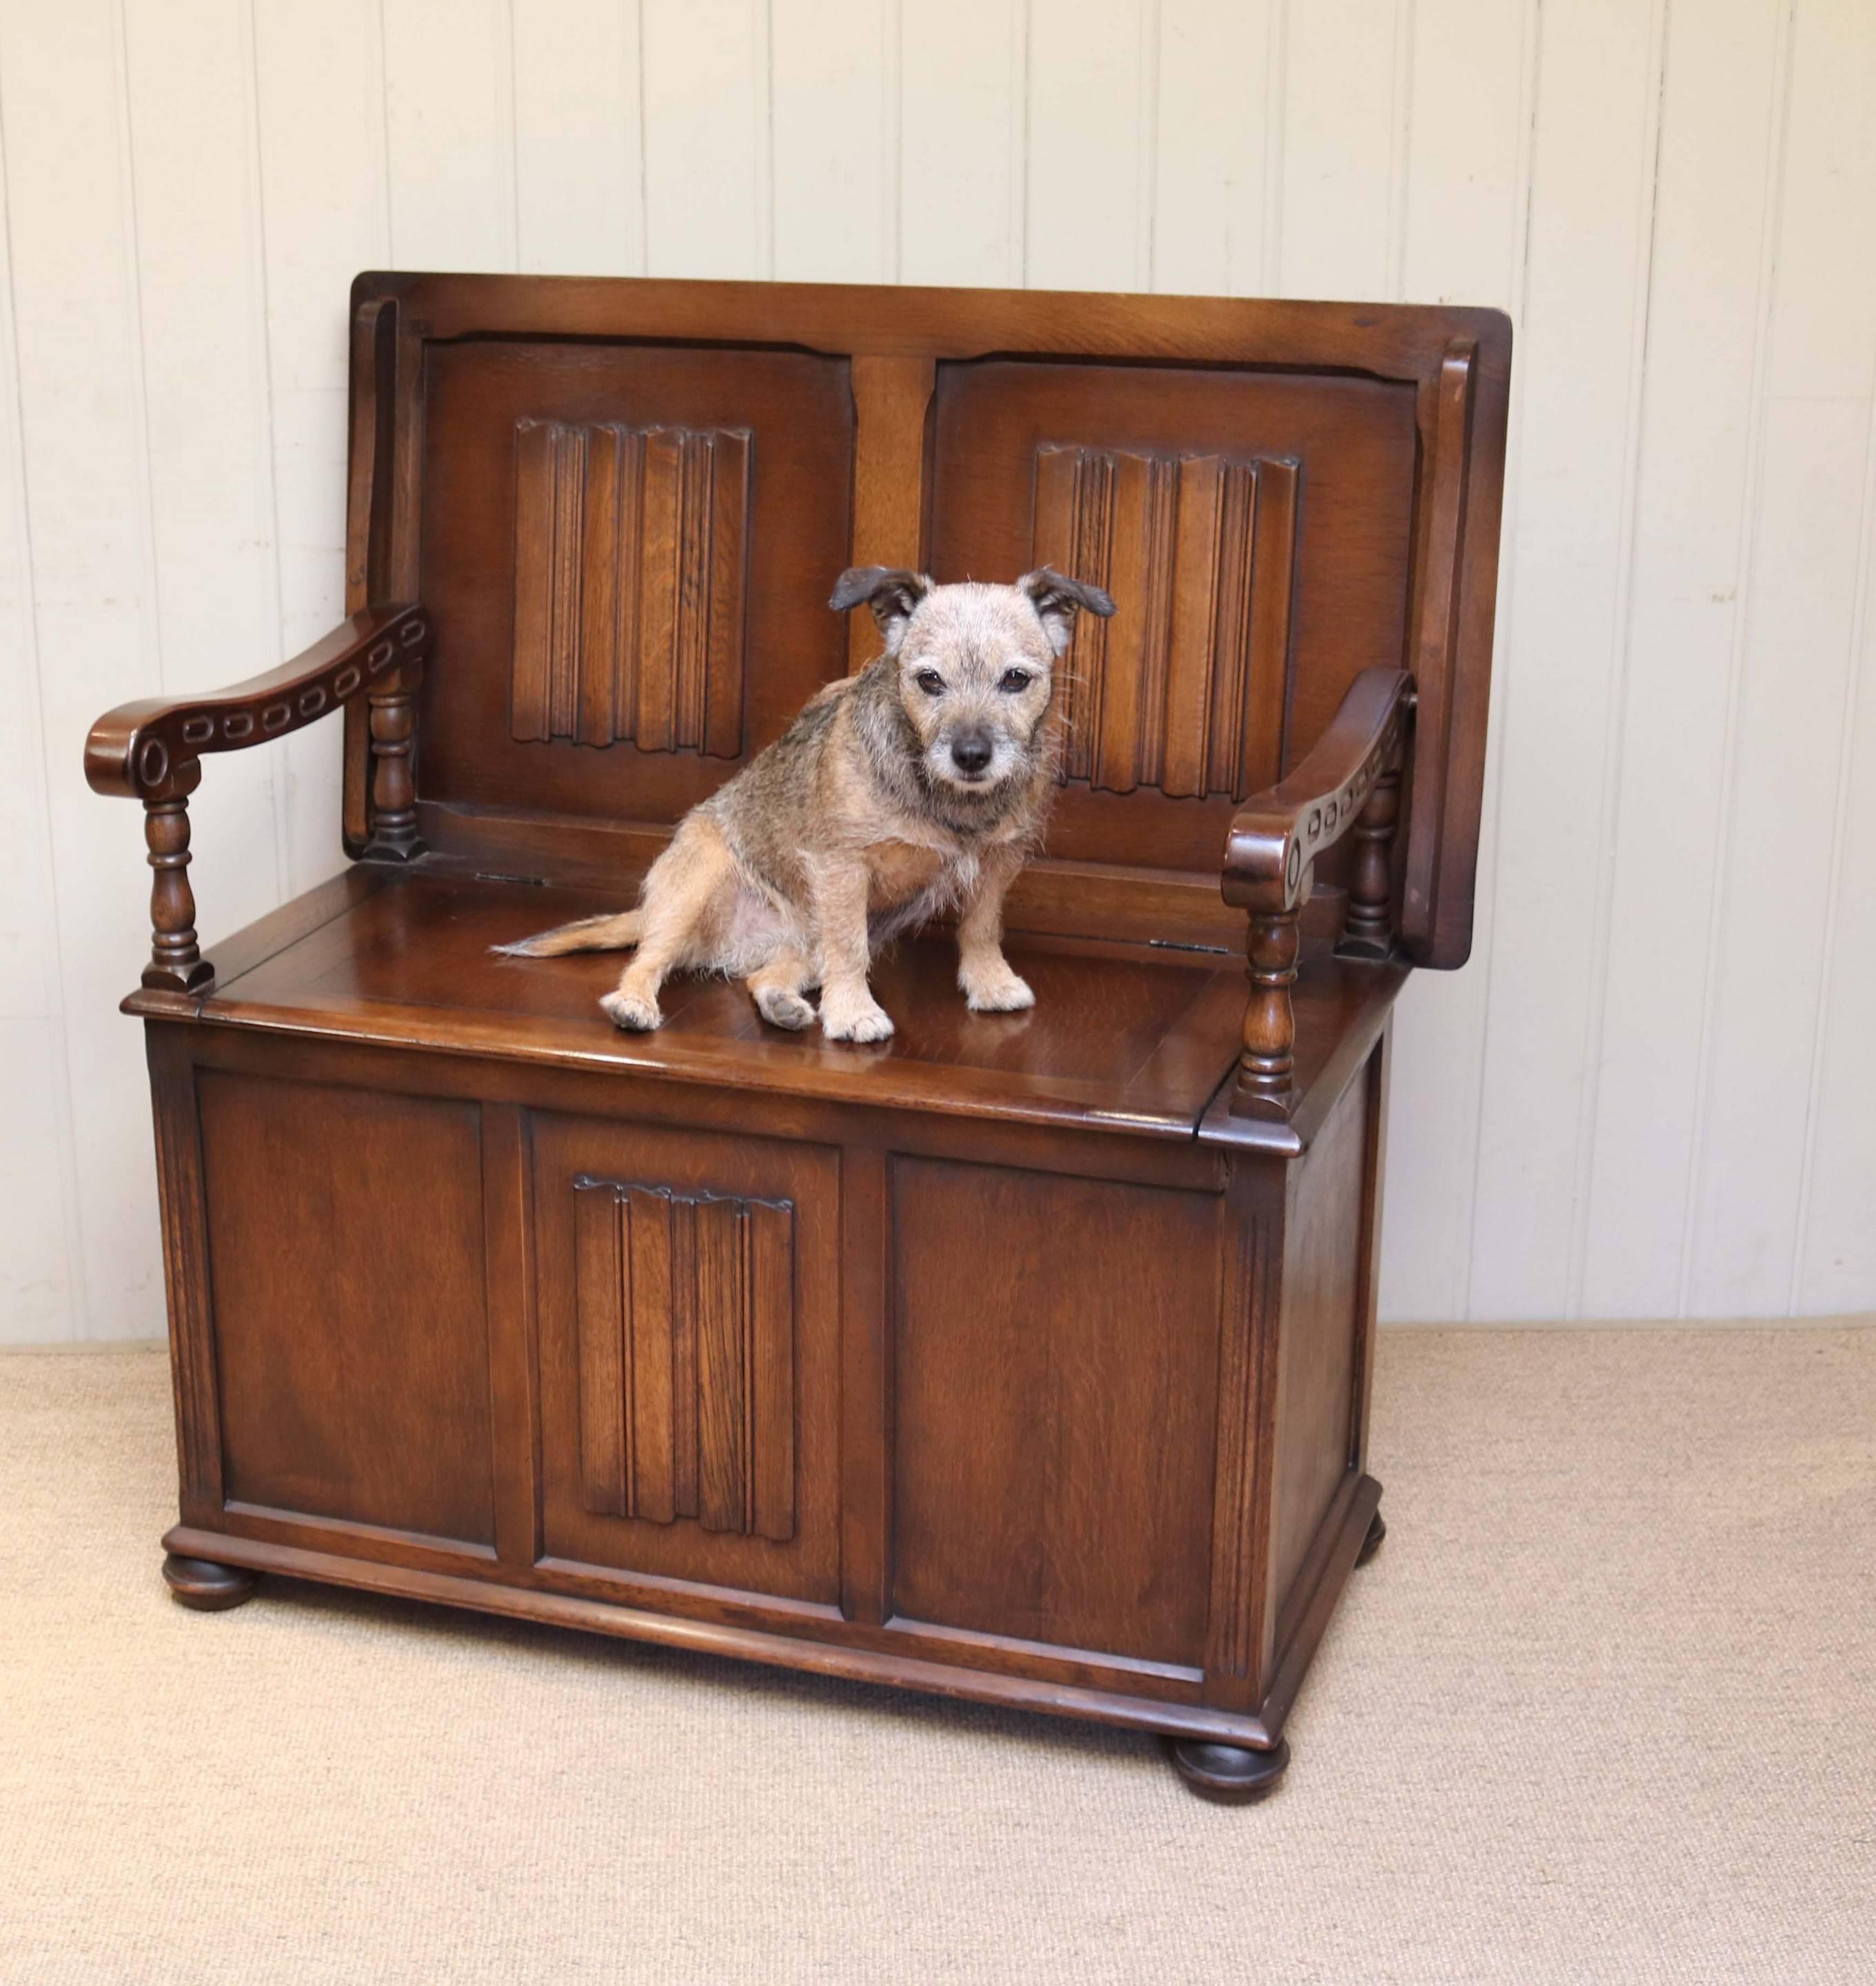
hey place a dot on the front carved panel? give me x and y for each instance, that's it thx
(1183, 689)
(686, 1350)
(630, 552)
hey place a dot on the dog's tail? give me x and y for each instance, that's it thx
(607, 934)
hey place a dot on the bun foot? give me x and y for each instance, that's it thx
(1377, 1530)
(208, 1587)
(1228, 1773)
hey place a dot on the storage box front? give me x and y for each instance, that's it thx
(1056, 1398)
(688, 1315)
(351, 1339)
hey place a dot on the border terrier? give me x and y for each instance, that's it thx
(917, 786)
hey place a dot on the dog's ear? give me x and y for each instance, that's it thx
(891, 591)
(1058, 599)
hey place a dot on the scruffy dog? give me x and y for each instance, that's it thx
(915, 786)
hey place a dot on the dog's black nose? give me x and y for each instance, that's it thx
(970, 752)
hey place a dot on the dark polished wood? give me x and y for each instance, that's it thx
(206, 1587)
(1228, 1774)
(175, 962)
(1377, 1531)
(1024, 1358)
(150, 749)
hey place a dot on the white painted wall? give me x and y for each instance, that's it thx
(1652, 1092)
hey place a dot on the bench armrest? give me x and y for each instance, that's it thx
(152, 751)
(1350, 784)
(1278, 834)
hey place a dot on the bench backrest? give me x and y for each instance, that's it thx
(624, 504)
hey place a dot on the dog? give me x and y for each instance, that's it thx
(918, 785)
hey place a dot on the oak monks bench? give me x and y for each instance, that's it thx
(1023, 1358)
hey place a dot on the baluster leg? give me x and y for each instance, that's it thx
(1367, 930)
(175, 962)
(394, 795)
(1268, 1059)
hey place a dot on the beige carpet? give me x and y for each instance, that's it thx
(1604, 1709)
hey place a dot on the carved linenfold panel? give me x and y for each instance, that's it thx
(687, 1363)
(1183, 689)
(631, 549)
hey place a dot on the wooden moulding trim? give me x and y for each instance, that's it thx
(1051, 895)
(1388, 341)
(744, 1643)
(1307, 1619)
(658, 1099)
(422, 1547)
(484, 1037)
(1447, 400)
(897, 1634)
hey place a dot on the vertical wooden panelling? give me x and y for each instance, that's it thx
(449, 80)
(664, 1374)
(770, 1386)
(319, 96)
(1598, 1115)
(602, 1277)
(1722, 127)
(202, 312)
(1092, 105)
(706, 139)
(834, 86)
(630, 545)
(65, 113)
(1836, 1268)
(1274, 502)
(961, 118)
(1215, 157)
(1783, 820)
(1133, 572)
(603, 554)
(579, 159)
(41, 1261)
(686, 1314)
(1184, 687)
(1195, 585)
(723, 1403)
(1469, 161)
(1341, 103)
(1558, 677)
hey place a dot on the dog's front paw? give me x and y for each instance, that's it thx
(633, 1011)
(995, 989)
(853, 1020)
(782, 1008)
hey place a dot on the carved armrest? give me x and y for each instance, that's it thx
(1349, 784)
(152, 751)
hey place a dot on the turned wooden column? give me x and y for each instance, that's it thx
(394, 792)
(1367, 930)
(1268, 1060)
(175, 962)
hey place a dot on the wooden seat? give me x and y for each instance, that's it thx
(1022, 1357)
(1137, 1038)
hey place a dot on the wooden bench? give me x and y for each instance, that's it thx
(1024, 1358)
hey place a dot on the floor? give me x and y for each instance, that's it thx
(1603, 1708)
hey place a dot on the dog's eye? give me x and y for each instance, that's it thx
(1016, 679)
(930, 682)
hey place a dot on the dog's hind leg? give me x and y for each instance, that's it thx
(777, 989)
(687, 883)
